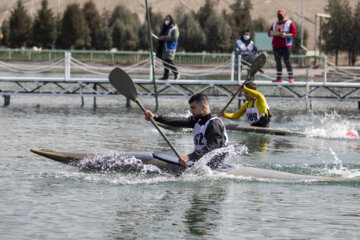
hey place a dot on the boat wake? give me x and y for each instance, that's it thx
(337, 168)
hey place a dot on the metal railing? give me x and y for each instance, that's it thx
(126, 58)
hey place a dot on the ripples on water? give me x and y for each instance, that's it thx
(123, 199)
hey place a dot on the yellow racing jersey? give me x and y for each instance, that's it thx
(259, 103)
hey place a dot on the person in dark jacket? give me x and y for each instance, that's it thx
(209, 131)
(168, 41)
(246, 48)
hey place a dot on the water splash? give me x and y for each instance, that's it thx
(202, 171)
(337, 168)
(115, 163)
(329, 125)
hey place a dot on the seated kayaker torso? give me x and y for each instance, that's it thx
(256, 109)
(209, 131)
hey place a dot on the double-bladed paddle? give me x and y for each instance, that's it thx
(125, 85)
(258, 63)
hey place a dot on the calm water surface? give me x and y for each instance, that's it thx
(43, 199)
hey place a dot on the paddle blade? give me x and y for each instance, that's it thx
(123, 83)
(258, 63)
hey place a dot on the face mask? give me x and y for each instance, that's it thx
(246, 37)
(280, 17)
(167, 22)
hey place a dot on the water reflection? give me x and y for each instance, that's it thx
(204, 215)
(258, 143)
(281, 145)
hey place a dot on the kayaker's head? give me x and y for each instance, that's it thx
(250, 85)
(199, 105)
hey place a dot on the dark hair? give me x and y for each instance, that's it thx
(251, 85)
(245, 31)
(200, 98)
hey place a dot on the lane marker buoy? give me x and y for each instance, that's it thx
(352, 133)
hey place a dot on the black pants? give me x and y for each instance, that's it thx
(282, 52)
(169, 64)
(263, 121)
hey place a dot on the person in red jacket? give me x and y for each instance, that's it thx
(282, 31)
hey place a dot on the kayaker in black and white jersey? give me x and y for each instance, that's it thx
(209, 131)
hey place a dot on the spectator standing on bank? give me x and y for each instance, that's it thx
(283, 31)
(246, 48)
(168, 41)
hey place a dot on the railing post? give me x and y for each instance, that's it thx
(239, 69)
(232, 66)
(6, 100)
(307, 91)
(150, 66)
(325, 69)
(67, 61)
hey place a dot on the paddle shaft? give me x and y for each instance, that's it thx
(159, 130)
(237, 93)
(253, 71)
(233, 97)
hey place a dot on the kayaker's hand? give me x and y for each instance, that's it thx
(148, 114)
(241, 88)
(183, 160)
(220, 113)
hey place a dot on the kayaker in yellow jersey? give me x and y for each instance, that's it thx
(255, 107)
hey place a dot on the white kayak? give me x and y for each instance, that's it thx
(169, 162)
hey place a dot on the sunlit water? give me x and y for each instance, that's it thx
(43, 199)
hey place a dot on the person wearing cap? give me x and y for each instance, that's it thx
(246, 48)
(282, 31)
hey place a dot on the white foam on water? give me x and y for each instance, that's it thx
(330, 125)
(200, 171)
(337, 168)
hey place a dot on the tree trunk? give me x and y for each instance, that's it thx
(353, 58)
(336, 57)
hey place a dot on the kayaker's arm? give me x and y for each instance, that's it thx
(176, 121)
(171, 121)
(215, 139)
(238, 114)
